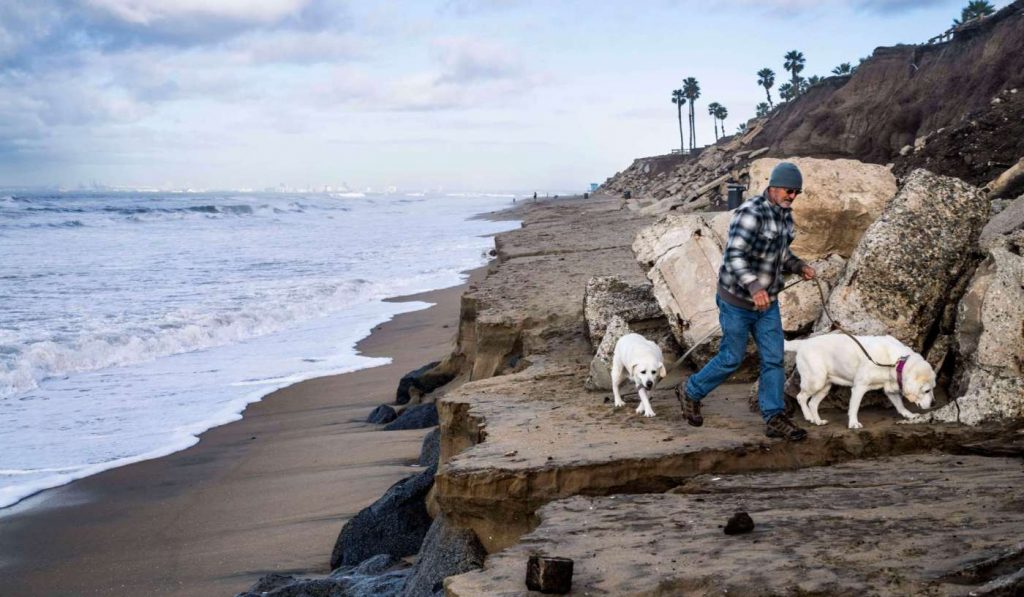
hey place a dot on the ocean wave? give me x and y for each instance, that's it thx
(23, 368)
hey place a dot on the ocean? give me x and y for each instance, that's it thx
(133, 322)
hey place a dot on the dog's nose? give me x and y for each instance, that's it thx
(649, 384)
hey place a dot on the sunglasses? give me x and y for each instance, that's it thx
(793, 192)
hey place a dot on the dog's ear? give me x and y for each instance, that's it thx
(661, 371)
(632, 368)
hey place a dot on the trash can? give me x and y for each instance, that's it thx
(735, 195)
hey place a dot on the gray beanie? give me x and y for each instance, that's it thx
(787, 176)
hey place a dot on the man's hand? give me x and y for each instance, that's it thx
(808, 272)
(761, 300)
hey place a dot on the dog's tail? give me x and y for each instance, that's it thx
(791, 345)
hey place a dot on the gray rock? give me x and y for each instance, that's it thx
(1010, 218)
(420, 416)
(430, 452)
(899, 277)
(990, 318)
(447, 550)
(606, 297)
(381, 415)
(395, 524)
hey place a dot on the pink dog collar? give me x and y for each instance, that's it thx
(899, 371)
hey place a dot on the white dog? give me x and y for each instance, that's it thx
(641, 360)
(836, 359)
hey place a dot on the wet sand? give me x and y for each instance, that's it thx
(268, 493)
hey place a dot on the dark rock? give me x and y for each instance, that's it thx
(431, 450)
(385, 585)
(446, 551)
(420, 416)
(395, 524)
(549, 574)
(269, 583)
(739, 523)
(425, 379)
(376, 565)
(320, 587)
(381, 415)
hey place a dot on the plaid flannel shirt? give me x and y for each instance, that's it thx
(757, 253)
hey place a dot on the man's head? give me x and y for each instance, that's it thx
(785, 184)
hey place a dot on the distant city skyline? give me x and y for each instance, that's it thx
(473, 95)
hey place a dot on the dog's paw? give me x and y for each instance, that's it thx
(648, 413)
(619, 403)
(856, 425)
(820, 422)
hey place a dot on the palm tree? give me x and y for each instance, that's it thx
(713, 109)
(843, 69)
(973, 10)
(766, 78)
(763, 109)
(691, 89)
(742, 128)
(794, 64)
(721, 113)
(786, 91)
(678, 99)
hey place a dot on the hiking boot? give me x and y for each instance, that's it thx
(691, 408)
(781, 426)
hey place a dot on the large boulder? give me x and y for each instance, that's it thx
(681, 255)
(840, 199)
(990, 318)
(395, 524)
(420, 416)
(898, 280)
(606, 297)
(447, 551)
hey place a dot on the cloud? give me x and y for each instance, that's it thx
(793, 8)
(468, 59)
(147, 12)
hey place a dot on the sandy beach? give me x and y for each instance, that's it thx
(268, 493)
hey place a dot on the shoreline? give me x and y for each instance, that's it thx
(266, 493)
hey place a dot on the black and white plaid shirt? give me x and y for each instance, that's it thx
(757, 253)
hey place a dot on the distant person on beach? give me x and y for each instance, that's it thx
(535, 195)
(756, 258)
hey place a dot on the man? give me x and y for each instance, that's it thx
(756, 258)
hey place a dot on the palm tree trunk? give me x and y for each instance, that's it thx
(769, 94)
(679, 114)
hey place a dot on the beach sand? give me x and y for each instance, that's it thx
(268, 493)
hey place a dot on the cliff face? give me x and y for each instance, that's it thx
(902, 93)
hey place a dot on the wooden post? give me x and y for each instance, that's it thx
(549, 574)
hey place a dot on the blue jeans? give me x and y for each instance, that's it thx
(737, 325)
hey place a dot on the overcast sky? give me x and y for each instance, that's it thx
(459, 94)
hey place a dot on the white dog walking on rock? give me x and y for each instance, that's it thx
(836, 359)
(641, 361)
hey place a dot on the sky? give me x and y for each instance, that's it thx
(474, 95)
